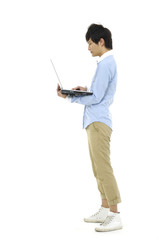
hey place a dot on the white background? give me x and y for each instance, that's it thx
(46, 182)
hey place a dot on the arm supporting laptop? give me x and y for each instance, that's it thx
(99, 87)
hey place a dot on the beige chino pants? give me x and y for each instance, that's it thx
(99, 135)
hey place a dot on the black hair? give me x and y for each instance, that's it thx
(96, 31)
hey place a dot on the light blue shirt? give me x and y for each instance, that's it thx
(103, 87)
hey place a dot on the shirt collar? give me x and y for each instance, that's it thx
(106, 54)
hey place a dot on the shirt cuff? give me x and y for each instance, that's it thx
(68, 98)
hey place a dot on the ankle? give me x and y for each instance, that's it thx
(114, 209)
(105, 206)
(105, 203)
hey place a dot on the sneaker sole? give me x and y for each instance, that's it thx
(107, 230)
(93, 221)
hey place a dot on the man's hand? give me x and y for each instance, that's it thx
(59, 92)
(80, 88)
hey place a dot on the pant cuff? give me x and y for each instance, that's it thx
(114, 202)
(103, 196)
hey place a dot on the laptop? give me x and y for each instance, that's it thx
(70, 92)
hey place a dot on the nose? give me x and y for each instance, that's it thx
(89, 48)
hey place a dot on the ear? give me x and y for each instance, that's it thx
(101, 42)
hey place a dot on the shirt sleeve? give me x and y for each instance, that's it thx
(98, 87)
(68, 98)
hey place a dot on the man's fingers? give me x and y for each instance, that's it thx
(58, 87)
(76, 88)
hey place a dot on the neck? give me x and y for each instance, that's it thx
(104, 51)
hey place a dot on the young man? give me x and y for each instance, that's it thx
(98, 124)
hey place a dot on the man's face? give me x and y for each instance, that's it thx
(94, 48)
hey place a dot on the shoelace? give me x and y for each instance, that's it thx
(96, 213)
(107, 221)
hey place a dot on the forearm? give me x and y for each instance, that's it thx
(85, 100)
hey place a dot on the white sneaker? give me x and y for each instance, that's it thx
(98, 217)
(111, 223)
